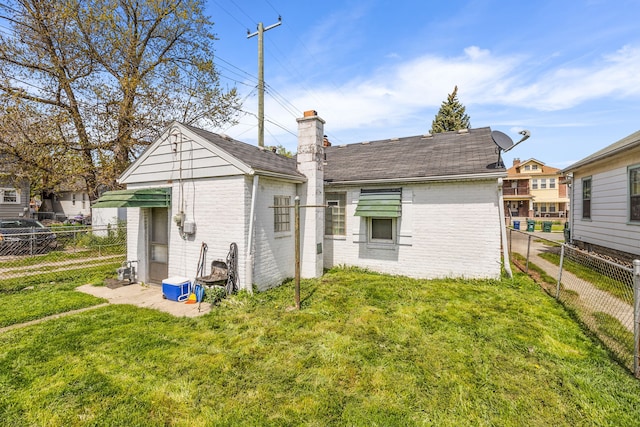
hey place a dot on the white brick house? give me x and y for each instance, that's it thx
(425, 206)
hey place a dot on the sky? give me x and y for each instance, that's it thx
(566, 70)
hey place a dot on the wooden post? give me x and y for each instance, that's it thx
(297, 250)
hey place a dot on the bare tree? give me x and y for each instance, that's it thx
(107, 75)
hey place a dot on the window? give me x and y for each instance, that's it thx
(534, 167)
(381, 208)
(552, 183)
(543, 183)
(382, 230)
(586, 198)
(534, 184)
(552, 207)
(527, 167)
(73, 199)
(10, 195)
(84, 200)
(543, 207)
(634, 194)
(334, 216)
(282, 213)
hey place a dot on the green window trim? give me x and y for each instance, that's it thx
(139, 198)
(380, 203)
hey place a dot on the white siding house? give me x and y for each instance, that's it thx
(446, 229)
(424, 206)
(14, 197)
(605, 198)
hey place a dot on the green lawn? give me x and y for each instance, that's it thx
(365, 350)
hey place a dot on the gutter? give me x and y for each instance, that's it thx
(282, 176)
(471, 177)
(503, 231)
(250, 258)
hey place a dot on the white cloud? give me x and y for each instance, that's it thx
(408, 94)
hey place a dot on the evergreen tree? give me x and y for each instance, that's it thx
(451, 116)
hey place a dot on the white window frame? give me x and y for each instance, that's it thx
(543, 183)
(4, 195)
(394, 232)
(281, 214)
(534, 184)
(552, 183)
(337, 206)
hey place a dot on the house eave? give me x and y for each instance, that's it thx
(280, 176)
(447, 178)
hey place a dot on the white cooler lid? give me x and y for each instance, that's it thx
(175, 280)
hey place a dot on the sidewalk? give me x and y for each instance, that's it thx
(592, 298)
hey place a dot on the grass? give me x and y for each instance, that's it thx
(600, 281)
(548, 282)
(30, 298)
(365, 349)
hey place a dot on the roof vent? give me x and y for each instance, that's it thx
(366, 143)
(463, 130)
(394, 139)
(427, 135)
(342, 146)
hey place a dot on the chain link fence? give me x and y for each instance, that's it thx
(599, 290)
(30, 257)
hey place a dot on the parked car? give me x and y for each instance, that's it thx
(19, 236)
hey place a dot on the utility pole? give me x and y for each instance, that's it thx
(260, 34)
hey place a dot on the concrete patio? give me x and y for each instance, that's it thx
(149, 296)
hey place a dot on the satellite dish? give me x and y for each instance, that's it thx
(502, 140)
(504, 143)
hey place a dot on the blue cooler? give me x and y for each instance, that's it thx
(176, 288)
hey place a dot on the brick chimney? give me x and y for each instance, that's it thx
(516, 161)
(310, 164)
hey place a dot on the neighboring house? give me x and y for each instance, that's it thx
(533, 189)
(69, 202)
(605, 198)
(424, 206)
(14, 197)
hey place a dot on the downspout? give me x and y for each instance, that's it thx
(503, 230)
(250, 258)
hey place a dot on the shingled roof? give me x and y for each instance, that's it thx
(469, 152)
(449, 154)
(257, 158)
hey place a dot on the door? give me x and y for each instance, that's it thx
(159, 245)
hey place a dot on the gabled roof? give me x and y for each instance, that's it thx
(450, 155)
(215, 155)
(544, 169)
(626, 143)
(259, 159)
(466, 154)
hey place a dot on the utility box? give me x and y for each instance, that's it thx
(176, 288)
